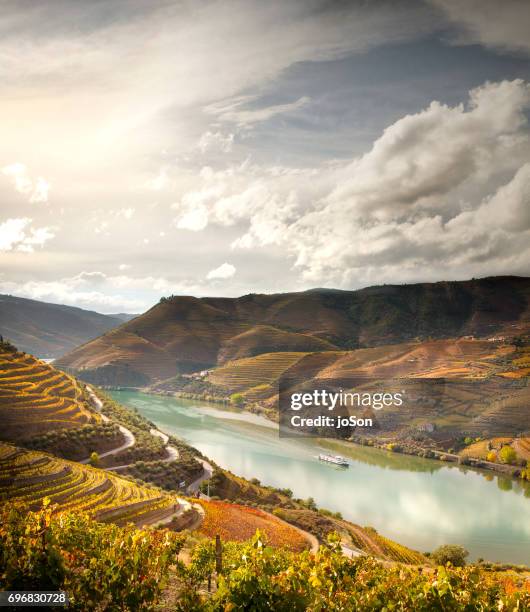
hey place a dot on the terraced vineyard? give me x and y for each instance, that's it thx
(30, 476)
(254, 374)
(36, 398)
(238, 523)
(368, 540)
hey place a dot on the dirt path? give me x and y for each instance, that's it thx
(313, 541)
(159, 434)
(173, 453)
(351, 552)
(206, 475)
(130, 440)
(184, 506)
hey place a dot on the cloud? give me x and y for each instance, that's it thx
(232, 111)
(442, 191)
(490, 22)
(16, 234)
(141, 79)
(178, 57)
(422, 157)
(192, 210)
(125, 213)
(394, 206)
(95, 290)
(160, 182)
(224, 271)
(37, 190)
(215, 141)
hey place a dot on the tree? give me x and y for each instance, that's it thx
(491, 456)
(450, 553)
(237, 399)
(94, 459)
(507, 455)
(310, 503)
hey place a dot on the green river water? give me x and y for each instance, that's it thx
(418, 502)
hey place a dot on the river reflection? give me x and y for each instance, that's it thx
(418, 502)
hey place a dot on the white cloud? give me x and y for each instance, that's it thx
(37, 190)
(139, 145)
(490, 22)
(16, 234)
(124, 267)
(400, 209)
(393, 206)
(40, 191)
(224, 271)
(193, 219)
(160, 182)
(97, 291)
(101, 227)
(192, 210)
(232, 111)
(212, 141)
(126, 213)
(12, 232)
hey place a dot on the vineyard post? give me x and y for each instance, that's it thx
(218, 555)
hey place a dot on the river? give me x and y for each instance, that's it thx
(418, 502)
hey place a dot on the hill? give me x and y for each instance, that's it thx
(484, 384)
(50, 330)
(186, 334)
(29, 477)
(35, 398)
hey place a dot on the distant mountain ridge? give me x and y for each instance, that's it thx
(122, 316)
(50, 330)
(184, 334)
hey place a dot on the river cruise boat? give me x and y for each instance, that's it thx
(334, 459)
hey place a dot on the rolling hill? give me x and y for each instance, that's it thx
(51, 330)
(184, 334)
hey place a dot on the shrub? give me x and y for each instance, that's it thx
(450, 553)
(100, 566)
(507, 455)
(237, 399)
(255, 577)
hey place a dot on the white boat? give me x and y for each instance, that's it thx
(335, 459)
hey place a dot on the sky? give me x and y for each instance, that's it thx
(151, 148)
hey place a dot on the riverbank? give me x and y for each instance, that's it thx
(406, 447)
(413, 500)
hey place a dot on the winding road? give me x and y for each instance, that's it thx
(130, 440)
(206, 475)
(193, 488)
